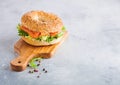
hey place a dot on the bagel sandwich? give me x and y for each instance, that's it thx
(39, 28)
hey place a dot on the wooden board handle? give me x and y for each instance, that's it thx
(20, 63)
(27, 52)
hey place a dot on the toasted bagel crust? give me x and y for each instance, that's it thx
(41, 21)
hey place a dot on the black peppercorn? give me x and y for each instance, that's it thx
(38, 76)
(28, 65)
(38, 64)
(43, 69)
(35, 70)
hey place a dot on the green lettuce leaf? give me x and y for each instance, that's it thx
(21, 32)
(63, 29)
(59, 34)
(33, 64)
(50, 38)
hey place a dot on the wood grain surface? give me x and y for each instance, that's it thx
(27, 52)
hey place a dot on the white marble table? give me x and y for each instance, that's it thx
(91, 54)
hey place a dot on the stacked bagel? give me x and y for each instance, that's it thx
(40, 28)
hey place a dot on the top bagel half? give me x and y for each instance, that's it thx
(43, 22)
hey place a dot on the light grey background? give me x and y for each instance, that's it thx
(90, 55)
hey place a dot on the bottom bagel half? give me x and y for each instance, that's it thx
(41, 43)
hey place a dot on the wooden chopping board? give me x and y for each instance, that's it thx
(27, 52)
